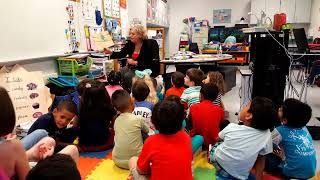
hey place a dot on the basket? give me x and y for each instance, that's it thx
(72, 67)
(64, 81)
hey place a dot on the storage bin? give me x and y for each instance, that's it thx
(73, 67)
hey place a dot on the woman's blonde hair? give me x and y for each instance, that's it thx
(152, 97)
(216, 78)
(141, 30)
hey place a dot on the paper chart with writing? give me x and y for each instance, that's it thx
(107, 8)
(88, 9)
(116, 8)
(27, 91)
(112, 8)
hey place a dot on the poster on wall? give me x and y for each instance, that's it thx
(107, 8)
(111, 8)
(221, 16)
(88, 9)
(27, 91)
(115, 9)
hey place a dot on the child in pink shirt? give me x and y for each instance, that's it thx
(114, 81)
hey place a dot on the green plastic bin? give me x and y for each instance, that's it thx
(72, 67)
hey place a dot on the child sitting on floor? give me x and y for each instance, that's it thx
(177, 81)
(145, 76)
(293, 139)
(140, 92)
(56, 122)
(128, 130)
(193, 80)
(14, 158)
(96, 116)
(206, 117)
(159, 88)
(58, 166)
(14, 161)
(216, 78)
(114, 81)
(245, 145)
(167, 155)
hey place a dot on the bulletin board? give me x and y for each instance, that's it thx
(43, 28)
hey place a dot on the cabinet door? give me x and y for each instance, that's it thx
(288, 7)
(272, 7)
(303, 8)
(256, 7)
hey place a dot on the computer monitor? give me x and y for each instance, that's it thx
(301, 39)
(215, 34)
(220, 34)
(240, 26)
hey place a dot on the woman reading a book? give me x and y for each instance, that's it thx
(141, 52)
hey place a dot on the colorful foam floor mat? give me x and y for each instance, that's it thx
(99, 166)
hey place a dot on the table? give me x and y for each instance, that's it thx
(197, 59)
(239, 57)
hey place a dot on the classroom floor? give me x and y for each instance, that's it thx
(99, 165)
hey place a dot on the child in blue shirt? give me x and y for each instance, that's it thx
(140, 92)
(293, 139)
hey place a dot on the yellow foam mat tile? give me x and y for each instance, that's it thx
(107, 170)
(201, 161)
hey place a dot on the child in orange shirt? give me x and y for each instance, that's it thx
(177, 81)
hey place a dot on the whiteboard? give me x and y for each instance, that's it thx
(36, 28)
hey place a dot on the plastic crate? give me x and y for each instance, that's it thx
(72, 67)
(64, 81)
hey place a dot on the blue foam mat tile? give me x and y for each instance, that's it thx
(100, 154)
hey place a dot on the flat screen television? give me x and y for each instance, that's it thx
(220, 34)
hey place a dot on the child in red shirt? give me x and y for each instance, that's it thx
(177, 81)
(206, 117)
(167, 155)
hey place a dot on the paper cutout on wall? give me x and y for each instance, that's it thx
(28, 93)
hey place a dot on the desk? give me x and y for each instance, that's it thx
(313, 56)
(239, 57)
(198, 59)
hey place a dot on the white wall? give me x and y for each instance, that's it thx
(201, 9)
(315, 19)
(137, 9)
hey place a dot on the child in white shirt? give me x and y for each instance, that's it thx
(245, 145)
